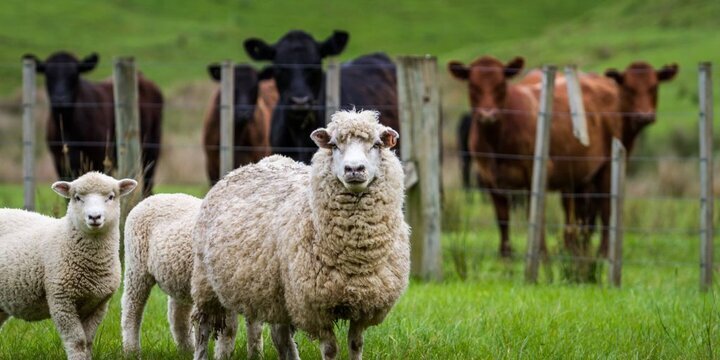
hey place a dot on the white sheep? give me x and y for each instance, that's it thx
(305, 246)
(158, 250)
(65, 269)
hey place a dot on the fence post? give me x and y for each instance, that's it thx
(536, 227)
(332, 89)
(617, 197)
(706, 175)
(577, 108)
(419, 105)
(127, 129)
(227, 111)
(28, 102)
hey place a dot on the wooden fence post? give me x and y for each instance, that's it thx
(227, 113)
(706, 175)
(28, 103)
(332, 89)
(127, 129)
(577, 108)
(419, 105)
(617, 197)
(536, 227)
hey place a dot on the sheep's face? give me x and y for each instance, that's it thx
(356, 160)
(94, 200)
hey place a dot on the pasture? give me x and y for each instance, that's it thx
(482, 308)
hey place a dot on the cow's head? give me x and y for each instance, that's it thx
(62, 75)
(297, 60)
(639, 88)
(245, 89)
(487, 80)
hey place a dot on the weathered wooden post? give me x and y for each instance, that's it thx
(577, 108)
(227, 113)
(536, 227)
(419, 105)
(706, 175)
(127, 129)
(617, 197)
(28, 103)
(332, 89)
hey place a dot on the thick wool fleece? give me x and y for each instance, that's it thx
(52, 267)
(286, 243)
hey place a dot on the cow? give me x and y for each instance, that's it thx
(366, 82)
(254, 97)
(463, 133)
(502, 138)
(81, 125)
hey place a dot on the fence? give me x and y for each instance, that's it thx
(419, 105)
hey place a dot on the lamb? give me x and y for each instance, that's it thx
(158, 250)
(302, 246)
(65, 269)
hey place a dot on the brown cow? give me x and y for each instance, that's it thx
(81, 125)
(502, 137)
(255, 96)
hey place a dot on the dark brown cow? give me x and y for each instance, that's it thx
(254, 97)
(502, 137)
(81, 125)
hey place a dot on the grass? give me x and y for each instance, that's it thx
(492, 313)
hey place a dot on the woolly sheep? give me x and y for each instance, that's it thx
(304, 246)
(65, 269)
(158, 250)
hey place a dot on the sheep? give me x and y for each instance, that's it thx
(302, 246)
(158, 250)
(65, 269)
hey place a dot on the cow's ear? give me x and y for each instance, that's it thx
(667, 72)
(266, 73)
(259, 50)
(214, 71)
(88, 63)
(458, 70)
(615, 75)
(321, 137)
(39, 65)
(335, 44)
(514, 66)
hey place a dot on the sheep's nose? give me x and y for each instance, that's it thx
(94, 217)
(354, 169)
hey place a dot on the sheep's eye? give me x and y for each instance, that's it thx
(377, 145)
(334, 146)
(77, 198)
(111, 197)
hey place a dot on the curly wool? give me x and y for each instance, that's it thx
(293, 246)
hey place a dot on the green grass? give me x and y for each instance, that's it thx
(492, 313)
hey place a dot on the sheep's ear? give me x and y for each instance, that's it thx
(322, 138)
(126, 186)
(62, 188)
(389, 137)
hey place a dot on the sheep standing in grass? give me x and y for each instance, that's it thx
(158, 250)
(65, 269)
(305, 246)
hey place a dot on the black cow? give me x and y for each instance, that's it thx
(367, 82)
(81, 125)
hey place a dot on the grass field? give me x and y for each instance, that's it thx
(483, 309)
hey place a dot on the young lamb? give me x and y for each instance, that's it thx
(305, 246)
(65, 269)
(158, 250)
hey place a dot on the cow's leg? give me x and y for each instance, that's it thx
(603, 202)
(570, 228)
(179, 319)
(501, 204)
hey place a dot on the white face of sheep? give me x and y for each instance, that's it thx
(96, 210)
(355, 161)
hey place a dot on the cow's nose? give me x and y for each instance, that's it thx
(354, 169)
(300, 100)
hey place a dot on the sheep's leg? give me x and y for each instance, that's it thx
(91, 323)
(328, 344)
(355, 339)
(202, 328)
(135, 295)
(254, 338)
(179, 318)
(225, 343)
(67, 321)
(282, 336)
